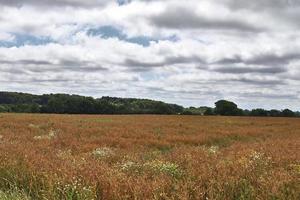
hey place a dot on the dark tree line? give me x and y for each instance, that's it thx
(228, 108)
(75, 104)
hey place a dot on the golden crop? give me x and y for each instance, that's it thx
(148, 157)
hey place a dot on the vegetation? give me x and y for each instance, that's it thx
(75, 104)
(227, 108)
(85, 157)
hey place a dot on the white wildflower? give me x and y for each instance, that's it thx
(164, 167)
(256, 156)
(103, 152)
(52, 134)
(213, 149)
(33, 126)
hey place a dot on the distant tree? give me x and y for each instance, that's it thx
(246, 112)
(35, 108)
(275, 113)
(4, 108)
(75, 104)
(240, 112)
(226, 108)
(287, 113)
(162, 108)
(259, 112)
(209, 111)
(187, 112)
(103, 106)
(56, 104)
(194, 111)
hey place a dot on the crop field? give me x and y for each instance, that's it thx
(148, 157)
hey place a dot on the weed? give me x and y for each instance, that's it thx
(132, 167)
(158, 132)
(213, 149)
(13, 195)
(52, 134)
(33, 126)
(238, 157)
(103, 152)
(168, 168)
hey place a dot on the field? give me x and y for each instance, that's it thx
(148, 157)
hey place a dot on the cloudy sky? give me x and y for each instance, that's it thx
(190, 52)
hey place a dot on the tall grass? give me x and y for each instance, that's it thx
(148, 157)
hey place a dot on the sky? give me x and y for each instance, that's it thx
(191, 52)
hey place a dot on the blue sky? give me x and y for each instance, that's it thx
(191, 54)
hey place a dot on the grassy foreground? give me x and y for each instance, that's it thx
(148, 157)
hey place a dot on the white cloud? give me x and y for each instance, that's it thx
(216, 49)
(6, 37)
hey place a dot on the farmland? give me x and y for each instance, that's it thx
(148, 157)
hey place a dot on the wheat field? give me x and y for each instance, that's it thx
(75, 157)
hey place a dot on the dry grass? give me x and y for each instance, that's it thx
(149, 157)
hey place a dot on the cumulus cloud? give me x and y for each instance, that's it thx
(191, 53)
(184, 18)
(249, 69)
(6, 37)
(266, 60)
(47, 3)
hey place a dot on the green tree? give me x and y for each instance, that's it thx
(209, 111)
(4, 108)
(287, 113)
(275, 113)
(259, 112)
(226, 108)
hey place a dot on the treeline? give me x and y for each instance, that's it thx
(228, 108)
(75, 104)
